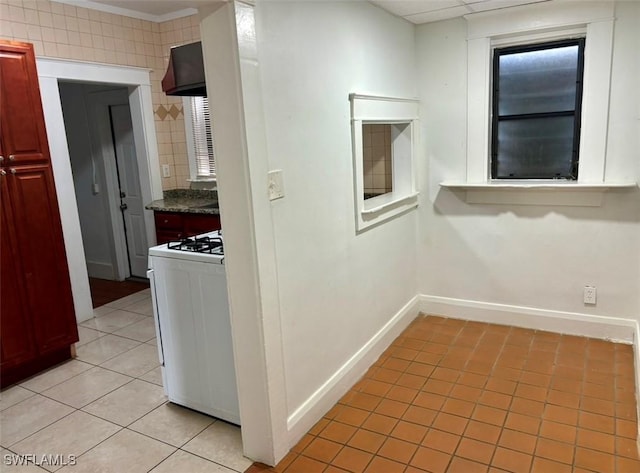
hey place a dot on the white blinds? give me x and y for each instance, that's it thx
(202, 137)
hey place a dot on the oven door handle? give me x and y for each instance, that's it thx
(156, 314)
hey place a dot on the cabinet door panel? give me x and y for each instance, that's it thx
(17, 343)
(168, 236)
(23, 130)
(200, 223)
(41, 247)
(167, 221)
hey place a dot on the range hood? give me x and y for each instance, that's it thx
(185, 74)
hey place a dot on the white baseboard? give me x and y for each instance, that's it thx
(616, 329)
(100, 270)
(305, 416)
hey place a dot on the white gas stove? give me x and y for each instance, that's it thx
(191, 312)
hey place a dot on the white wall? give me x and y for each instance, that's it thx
(308, 296)
(310, 299)
(337, 289)
(93, 209)
(527, 256)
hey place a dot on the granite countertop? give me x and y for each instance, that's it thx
(187, 201)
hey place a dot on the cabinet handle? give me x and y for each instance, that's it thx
(12, 157)
(12, 170)
(1, 158)
(3, 172)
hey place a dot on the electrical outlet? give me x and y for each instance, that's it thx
(275, 184)
(166, 170)
(590, 295)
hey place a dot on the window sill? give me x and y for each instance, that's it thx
(384, 207)
(577, 194)
(202, 179)
(386, 202)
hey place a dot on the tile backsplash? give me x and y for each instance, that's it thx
(64, 31)
(377, 167)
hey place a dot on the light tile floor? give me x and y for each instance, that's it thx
(108, 409)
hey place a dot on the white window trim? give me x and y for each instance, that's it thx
(191, 151)
(404, 196)
(529, 24)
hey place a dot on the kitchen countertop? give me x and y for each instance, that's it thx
(187, 201)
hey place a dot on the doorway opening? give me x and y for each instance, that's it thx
(106, 179)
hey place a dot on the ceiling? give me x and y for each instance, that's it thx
(425, 11)
(415, 11)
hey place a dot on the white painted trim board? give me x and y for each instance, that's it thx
(100, 270)
(616, 329)
(306, 415)
(50, 71)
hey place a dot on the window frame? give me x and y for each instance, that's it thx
(576, 113)
(525, 24)
(402, 114)
(191, 144)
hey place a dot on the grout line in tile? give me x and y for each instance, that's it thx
(522, 370)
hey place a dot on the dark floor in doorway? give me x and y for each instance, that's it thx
(104, 291)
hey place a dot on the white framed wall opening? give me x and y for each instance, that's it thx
(50, 72)
(384, 137)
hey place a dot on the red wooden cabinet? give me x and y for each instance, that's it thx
(16, 331)
(172, 226)
(37, 316)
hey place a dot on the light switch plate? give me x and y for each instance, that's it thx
(166, 171)
(275, 184)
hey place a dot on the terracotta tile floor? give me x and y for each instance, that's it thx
(457, 396)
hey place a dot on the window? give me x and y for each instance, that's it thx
(383, 139)
(538, 24)
(200, 145)
(537, 95)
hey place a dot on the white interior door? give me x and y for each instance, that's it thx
(112, 134)
(131, 202)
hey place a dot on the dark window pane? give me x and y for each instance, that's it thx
(538, 81)
(535, 148)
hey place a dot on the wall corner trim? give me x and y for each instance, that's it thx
(308, 413)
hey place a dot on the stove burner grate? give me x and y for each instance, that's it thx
(209, 245)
